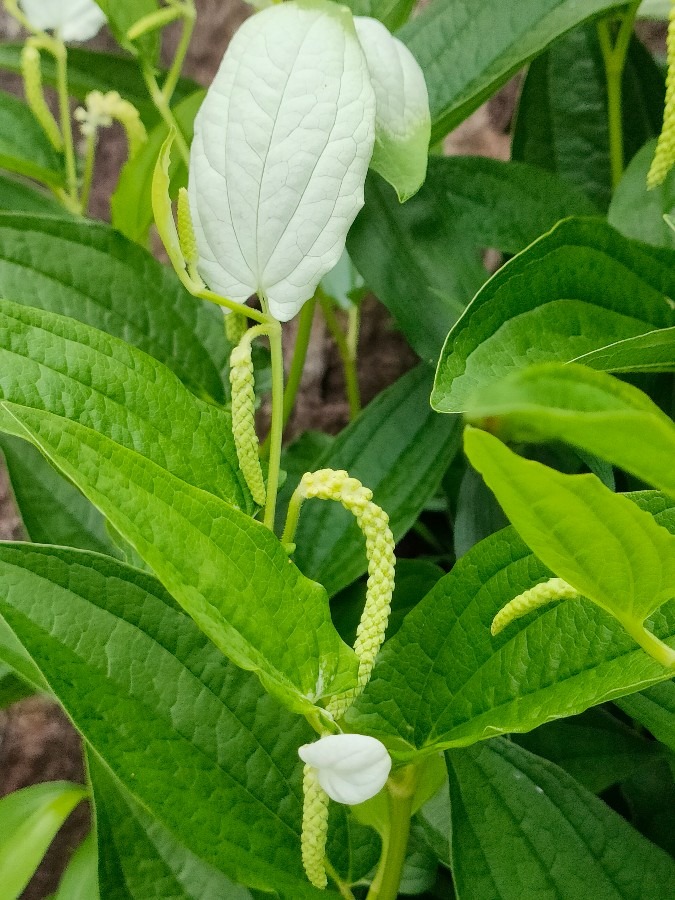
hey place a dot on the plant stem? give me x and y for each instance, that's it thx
(240, 308)
(299, 356)
(652, 645)
(189, 15)
(348, 360)
(58, 51)
(343, 888)
(277, 423)
(88, 174)
(400, 792)
(614, 57)
(164, 109)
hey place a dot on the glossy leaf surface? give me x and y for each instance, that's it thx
(24, 147)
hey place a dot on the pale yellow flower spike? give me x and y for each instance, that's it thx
(31, 70)
(540, 595)
(243, 417)
(100, 112)
(664, 158)
(186, 236)
(314, 828)
(328, 484)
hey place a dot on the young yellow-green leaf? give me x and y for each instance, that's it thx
(91, 273)
(581, 290)
(428, 689)
(29, 820)
(590, 410)
(24, 147)
(197, 744)
(522, 827)
(80, 879)
(227, 571)
(599, 542)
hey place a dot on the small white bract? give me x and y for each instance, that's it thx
(283, 142)
(351, 768)
(73, 20)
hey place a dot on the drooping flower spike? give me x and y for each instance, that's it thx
(72, 20)
(306, 98)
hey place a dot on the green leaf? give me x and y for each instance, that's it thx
(228, 572)
(52, 510)
(655, 709)
(80, 879)
(131, 202)
(89, 70)
(118, 390)
(595, 748)
(87, 271)
(637, 212)
(522, 827)
(561, 122)
(12, 688)
(24, 147)
(468, 50)
(428, 689)
(580, 290)
(466, 205)
(122, 15)
(478, 514)
(392, 12)
(592, 411)
(572, 521)
(382, 449)
(196, 742)
(29, 820)
(139, 858)
(650, 798)
(18, 196)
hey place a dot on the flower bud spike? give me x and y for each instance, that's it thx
(31, 70)
(243, 417)
(314, 828)
(186, 234)
(329, 484)
(664, 157)
(547, 592)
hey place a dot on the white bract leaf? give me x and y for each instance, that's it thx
(280, 154)
(403, 120)
(351, 768)
(74, 20)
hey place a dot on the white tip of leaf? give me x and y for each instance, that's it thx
(403, 121)
(75, 20)
(351, 768)
(280, 154)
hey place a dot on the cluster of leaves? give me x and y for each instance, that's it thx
(172, 627)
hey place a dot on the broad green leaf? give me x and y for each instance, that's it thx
(654, 9)
(596, 748)
(87, 271)
(115, 389)
(139, 858)
(382, 449)
(393, 13)
(12, 688)
(29, 820)
(650, 352)
(562, 118)
(19, 196)
(590, 410)
(24, 147)
(444, 681)
(80, 879)
(131, 202)
(650, 798)
(122, 15)
(655, 709)
(582, 289)
(470, 48)
(521, 827)
(263, 225)
(423, 259)
(637, 212)
(89, 70)
(196, 742)
(402, 120)
(573, 521)
(478, 514)
(229, 572)
(52, 510)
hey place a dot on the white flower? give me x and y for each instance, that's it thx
(283, 141)
(74, 20)
(351, 768)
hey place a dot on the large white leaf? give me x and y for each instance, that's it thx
(75, 20)
(281, 150)
(403, 121)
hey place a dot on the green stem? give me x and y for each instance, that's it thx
(277, 423)
(614, 57)
(60, 54)
(348, 360)
(292, 517)
(652, 645)
(88, 174)
(240, 308)
(343, 889)
(164, 109)
(400, 793)
(189, 15)
(299, 356)
(154, 21)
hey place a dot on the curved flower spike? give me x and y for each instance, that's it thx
(74, 20)
(351, 768)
